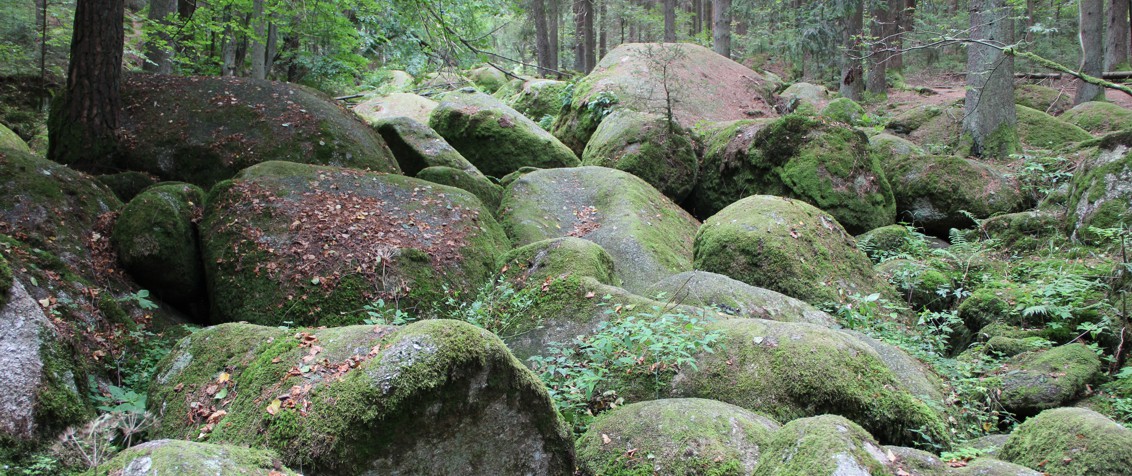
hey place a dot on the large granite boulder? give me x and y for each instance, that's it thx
(1070, 441)
(648, 146)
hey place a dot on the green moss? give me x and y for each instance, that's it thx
(847, 111)
(1100, 193)
(1041, 98)
(487, 79)
(647, 146)
(5, 281)
(1072, 442)
(912, 119)
(1040, 130)
(886, 242)
(155, 237)
(59, 402)
(184, 457)
(933, 192)
(1099, 117)
(917, 283)
(538, 98)
(489, 193)
(825, 444)
(985, 306)
(1036, 381)
(559, 258)
(1011, 346)
(9, 140)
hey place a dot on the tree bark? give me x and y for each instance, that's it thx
(882, 30)
(159, 54)
(554, 16)
(989, 119)
(259, 43)
(852, 75)
(579, 35)
(84, 121)
(602, 28)
(1092, 49)
(697, 20)
(1117, 39)
(906, 23)
(670, 21)
(542, 38)
(590, 43)
(721, 27)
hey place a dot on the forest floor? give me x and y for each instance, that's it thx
(952, 87)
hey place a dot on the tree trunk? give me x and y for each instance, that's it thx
(158, 53)
(697, 20)
(602, 29)
(1118, 38)
(989, 118)
(554, 16)
(906, 23)
(852, 75)
(884, 16)
(721, 27)
(259, 43)
(579, 36)
(1092, 49)
(670, 21)
(83, 123)
(590, 43)
(542, 38)
(272, 46)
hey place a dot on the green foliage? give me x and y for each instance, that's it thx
(118, 399)
(584, 376)
(1041, 176)
(498, 307)
(379, 313)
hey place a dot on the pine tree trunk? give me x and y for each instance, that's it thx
(879, 50)
(259, 43)
(590, 38)
(1117, 38)
(670, 21)
(721, 27)
(542, 37)
(1092, 49)
(579, 36)
(83, 124)
(554, 17)
(989, 118)
(159, 54)
(906, 23)
(602, 29)
(852, 75)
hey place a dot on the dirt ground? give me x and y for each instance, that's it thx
(951, 87)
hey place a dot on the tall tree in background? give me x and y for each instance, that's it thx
(1092, 49)
(1117, 35)
(905, 25)
(670, 21)
(159, 53)
(542, 38)
(585, 42)
(989, 117)
(553, 18)
(721, 27)
(885, 17)
(259, 42)
(81, 129)
(852, 74)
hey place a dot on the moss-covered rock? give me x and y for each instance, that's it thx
(484, 189)
(1101, 192)
(1099, 117)
(736, 298)
(1011, 346)
(1072, 442)
(912, 119)
(790, 370)
(826, 165)
(805, 98)
(1036, 381)
(412, 106)
(786, 246)
(823, 445)
(9, 140)
(5, 281)
(918, 283)
(1030, 230)
(921, 463)
(889, 148)
(416, 146)
(847, 111)
(701, 85)
(648, 146)
(559, 258)
(675, 437)
(539, 98)
(287, 242)
(1040, 130)
(933, 192)
(887, 242)
(204, 130)
(1042, 98)
(157, 242)
(985, 306)
(127, 185)
(161, 457)
(942, 131)
(359, 399)
(487, 78)
(497, 139)
(648, 236)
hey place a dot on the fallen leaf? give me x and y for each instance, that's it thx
(605, 440)
(273, 408)
(216, 416)
(223, 377)
(590, 295)
(178, 388)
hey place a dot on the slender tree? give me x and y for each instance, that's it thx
(1117, 36)
(670, 21)
(721, 26)
(542, 38)
(554, 17)
(1092, 49)
(158, 51)
(883, 30)
(989, 117)
(852, 74)
(259, 42)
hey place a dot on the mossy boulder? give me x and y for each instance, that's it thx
(487, 78)
(826, 165)
(912, 119)
(887, 242)
(890, 148)
(416, 146)
(204, 130)
(701, 84)
(987, 305)
(846, 111)
(1040, 130)
(157, 242)
(790, 370)
(1071, 441)
(539, 98)
(412, 106)
(9, 140)
(805, 98)
(127, 185)
(1101, 192)
(5, 280)
(787, 246)
(1030, 230)
(911, 461)
(495, 138)
(1099, 117)
(648, 146)
(286, 242)
(648, 236)
(161, 457)
(823, 445)
(361, 399)
(675, 437)
(933, 192)
(484, 189)
(736, 298)
(1042, 98)
(1034, 381)
(918, 283)
(559, 258)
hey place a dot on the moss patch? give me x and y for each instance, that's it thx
(539, 98)
(185, 457)
(647, 146)
(9, 140)
(1040, 130)
(933, 191)
(1041, 98)
(487, 191)
(1071, 441)
(1036, 381)
(156, 240)
(559, 258)
(1101, 192)
(1099, 117)
(825, 444)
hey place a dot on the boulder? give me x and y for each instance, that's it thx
(286, 242)
(127, 185)
(941, 129)
(888, 242)
(736, 298)
(1031, 230)
(204, 130)
(487, 78)
(933, 192)
(790, 370)
(364, 399)
(787, 246)
(393, 81)
(1043, 131)
(1102, 190)
(540, 98)
(826, 445)
(846, 111)
(497, 139)
(648, 146)
(157, 242)
(1042, 98)
(701, 85)
(1034, 381)
(1099, 117)
(559, 258)
(484, 189)
(913, 119)
(826, 165)
(1070, 441)
(162, 457)
(805, 98)
(648, 236)
(921, 463)
(412, 106)
(889, 148)
(675, 437)
(918, 283)
(416, 146)
(9, 140)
